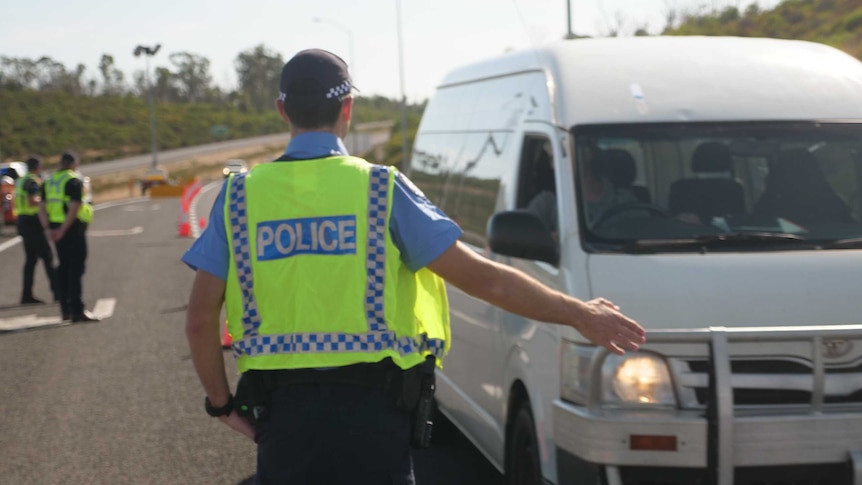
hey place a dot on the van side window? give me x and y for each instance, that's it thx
(536, 181)
(461, 173)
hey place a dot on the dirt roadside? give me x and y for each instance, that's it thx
(123, 185)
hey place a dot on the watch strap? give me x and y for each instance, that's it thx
(222, 411)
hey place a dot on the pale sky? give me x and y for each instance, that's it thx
(437, 35)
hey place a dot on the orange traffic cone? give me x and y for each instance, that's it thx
(185, 229)
(225, 337)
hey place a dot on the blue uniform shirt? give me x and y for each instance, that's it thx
(419, 229)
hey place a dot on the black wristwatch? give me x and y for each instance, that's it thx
(222, 411)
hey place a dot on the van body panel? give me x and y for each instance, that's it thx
(625, 80)
(761, 338)
(732, 289)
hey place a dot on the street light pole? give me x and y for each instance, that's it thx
(149, 52)
(405, 156)
(569, 34)
(349, 33)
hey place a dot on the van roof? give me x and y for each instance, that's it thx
(685, 78)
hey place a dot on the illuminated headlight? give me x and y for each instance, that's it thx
(636, 378)
(225, 171)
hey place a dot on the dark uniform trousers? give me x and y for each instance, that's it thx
(36, 247)
(333, 434)
(72, 252)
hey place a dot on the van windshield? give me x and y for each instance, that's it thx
(719, 186)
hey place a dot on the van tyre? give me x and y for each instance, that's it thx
(522, 450)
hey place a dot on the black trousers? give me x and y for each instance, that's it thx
(72, 252)
(333, 434)
(36, 247)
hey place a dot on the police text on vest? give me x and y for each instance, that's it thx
(313, 235)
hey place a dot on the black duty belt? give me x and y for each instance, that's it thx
(379, 375)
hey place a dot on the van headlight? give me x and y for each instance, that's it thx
(636, 378)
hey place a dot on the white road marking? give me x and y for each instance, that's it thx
(193, 208)
(103, 309)
(115, 232)
(8, 244)
(17, 239)
(141, 208)
(29, 321)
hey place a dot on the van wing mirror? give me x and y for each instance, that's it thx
(521, 234)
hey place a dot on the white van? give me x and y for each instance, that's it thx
(712, 188)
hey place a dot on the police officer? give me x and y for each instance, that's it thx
(330, 271)
(27, 197)
(66, 216)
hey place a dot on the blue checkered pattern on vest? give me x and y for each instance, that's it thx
(241, 250)
(378, 337)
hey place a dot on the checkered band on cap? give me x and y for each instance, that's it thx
(340, 91)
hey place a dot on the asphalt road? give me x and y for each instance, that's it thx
(118, 401)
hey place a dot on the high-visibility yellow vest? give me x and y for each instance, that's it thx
(315, 279)
(22, 198)
(56, 199)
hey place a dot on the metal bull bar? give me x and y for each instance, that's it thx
(720, 407)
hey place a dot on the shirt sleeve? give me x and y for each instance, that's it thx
(210, 252)
(31, 187)
(75, 189)
(420, 230)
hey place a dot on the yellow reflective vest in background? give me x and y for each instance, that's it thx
(315, 279)
(56, 199)
(22, 206)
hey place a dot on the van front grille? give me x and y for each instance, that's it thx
(772, 381)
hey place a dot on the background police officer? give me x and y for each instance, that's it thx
(64, 211)
(327, 326)
(27, 197)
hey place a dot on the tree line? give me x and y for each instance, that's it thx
(48, 107)
(833, 22)
(186, 80)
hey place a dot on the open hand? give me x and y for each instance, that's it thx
(604, 325)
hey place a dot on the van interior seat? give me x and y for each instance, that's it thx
(713, 192)
(619, 167)
(797, 189)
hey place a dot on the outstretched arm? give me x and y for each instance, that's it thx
(597, 320)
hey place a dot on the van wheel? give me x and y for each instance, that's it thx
(522, 465)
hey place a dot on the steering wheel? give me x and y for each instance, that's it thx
(626, 207)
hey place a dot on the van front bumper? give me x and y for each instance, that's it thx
(606, 439)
